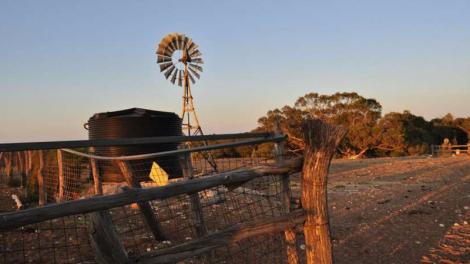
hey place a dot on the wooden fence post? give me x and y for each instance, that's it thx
(188, 173)
(98, 186)
(21, 168)
(290, 236)
(8, 162)
(145, 207)
(41, 187)
(60, 164)
(104, 238)
(321, 140)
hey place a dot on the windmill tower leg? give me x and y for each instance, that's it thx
(189, 115)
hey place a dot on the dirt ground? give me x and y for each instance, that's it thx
(400, 210)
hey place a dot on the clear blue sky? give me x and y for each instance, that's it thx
(62, 61)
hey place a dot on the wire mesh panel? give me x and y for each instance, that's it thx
(72, 175)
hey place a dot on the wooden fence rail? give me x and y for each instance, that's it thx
(138, 195)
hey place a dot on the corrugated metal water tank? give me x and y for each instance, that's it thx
(135, 123)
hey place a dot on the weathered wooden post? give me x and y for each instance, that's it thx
(28, 171)
(41, 187)
(290, 236)
(21, 168)
(104, 238)
(321, 140)
(8, 162)
(188, 173)
(144, 207)
(97, 184)
(60, 195)
(1, 172)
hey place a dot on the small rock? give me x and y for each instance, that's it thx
(441, 225)
(466, 207)
(418, 242)
(302, 247)
(456, 224)
(465, 222)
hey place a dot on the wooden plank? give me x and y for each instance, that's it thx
(145, 207)
(40, 177)
(196, 208)
(289, 234)
(8, 147)
(61, 193)
(133, 195)
(321, 140)
(105, 240)
(227, 237)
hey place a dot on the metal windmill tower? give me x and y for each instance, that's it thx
(180, 61)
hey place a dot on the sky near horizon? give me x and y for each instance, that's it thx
(62, 61)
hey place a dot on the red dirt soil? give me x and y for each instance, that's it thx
(400, 210)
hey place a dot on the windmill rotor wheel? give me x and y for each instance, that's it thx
(178, 55)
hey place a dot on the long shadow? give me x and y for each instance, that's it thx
(389, 238)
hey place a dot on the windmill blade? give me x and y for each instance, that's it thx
(195, 67)
(197, 60)
(195, 53)
(169, 71)
(191, 77)
(192, 47)
(165, 47)
(186, 42)
(175, 42)
(180, 78)
(181, 39)
(173, 78)
(194, 72)
(168, 52)
(169, 39)
(166, 65)
(161, 59)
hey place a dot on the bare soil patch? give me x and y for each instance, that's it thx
(400, 210)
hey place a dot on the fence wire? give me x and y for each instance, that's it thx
(66, 239)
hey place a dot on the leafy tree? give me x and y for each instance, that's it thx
(351, 110)
(403, 134)
(457, 130)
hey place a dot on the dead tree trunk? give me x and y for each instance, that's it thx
(321, 140)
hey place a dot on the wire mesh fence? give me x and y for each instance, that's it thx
(39, 178)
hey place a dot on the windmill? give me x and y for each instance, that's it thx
(180, 62)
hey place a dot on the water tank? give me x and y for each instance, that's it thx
(135, 123)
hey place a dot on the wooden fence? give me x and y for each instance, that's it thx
(321, 141)
(457, 150)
